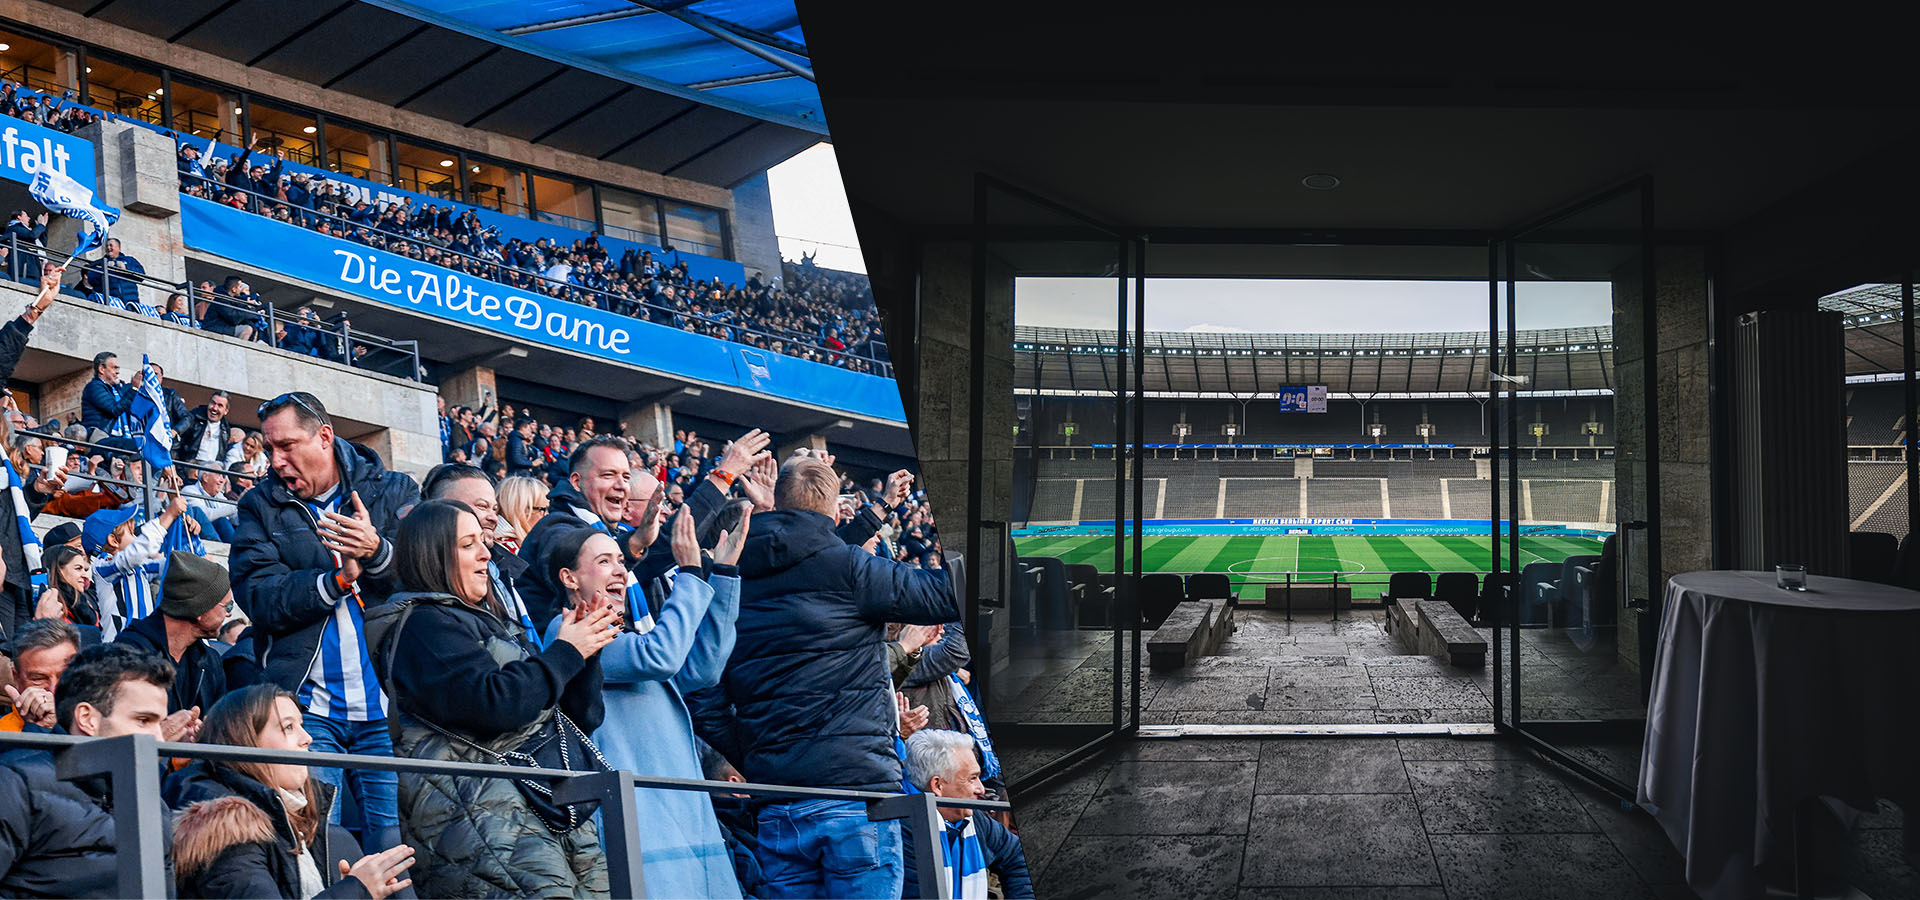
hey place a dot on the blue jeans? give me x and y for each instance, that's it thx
(828, 848)
(377, 792)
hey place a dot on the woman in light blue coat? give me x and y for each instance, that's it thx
(647, 730)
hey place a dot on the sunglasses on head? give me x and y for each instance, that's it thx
(291, 398)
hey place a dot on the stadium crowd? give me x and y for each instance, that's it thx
(811, 313)
(557, 596)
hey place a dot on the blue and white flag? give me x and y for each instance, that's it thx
(70, 198)
(156, 428)
(178, 538)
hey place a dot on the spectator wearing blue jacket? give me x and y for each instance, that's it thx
(106, 277)
(972, 843)
(807, 698)
(105, 401)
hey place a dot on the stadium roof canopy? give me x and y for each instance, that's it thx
(1872, 322)
(698, 90)
(1061, 359)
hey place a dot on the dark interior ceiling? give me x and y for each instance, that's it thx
(481, 79)
(1436, 120)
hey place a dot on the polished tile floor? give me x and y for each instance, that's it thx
(1363, 818)
(1347, 818)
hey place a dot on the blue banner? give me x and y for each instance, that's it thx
(26, 148)
(377, 275)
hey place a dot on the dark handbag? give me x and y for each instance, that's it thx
(559, 744)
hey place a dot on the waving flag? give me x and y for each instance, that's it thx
(178, 538)
(156, 428)
(70, 198)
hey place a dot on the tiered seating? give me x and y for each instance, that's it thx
(1468, 498)
(1866, 481)
(1414, 498)
(1192, 498)
(1263, 497)
(1567, 501)
(1052, 500)
(1344, 497)
(1873, 414)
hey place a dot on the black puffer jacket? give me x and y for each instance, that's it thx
(278, 560)
(232, 838)
(808, 683)
(193, 428)
(56, 838)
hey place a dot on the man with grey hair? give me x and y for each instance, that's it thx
(945, 764)
(807, 698)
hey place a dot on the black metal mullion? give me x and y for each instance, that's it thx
(1906, 379)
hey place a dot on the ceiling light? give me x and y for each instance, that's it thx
(238, 111)
(309, 129)
(446, 162)
(1320, 182)
(5, 47)
(160, 91)
(476, 169)
(89, 70)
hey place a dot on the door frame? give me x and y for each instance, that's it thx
(1502, 289)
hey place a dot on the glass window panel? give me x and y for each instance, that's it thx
(564, 202)
(205, 112)
(695, 229)
(296, 135)
(351, 151)
(124, 89)
(495, 186)
(630, 216)
(427, 170)
(36, 64)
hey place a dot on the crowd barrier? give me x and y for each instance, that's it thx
(131, 765)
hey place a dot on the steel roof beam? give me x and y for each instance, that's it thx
(726, 32)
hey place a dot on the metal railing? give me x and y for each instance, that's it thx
(148, 486)
(505, 273)
(131, 765)
(339, 341)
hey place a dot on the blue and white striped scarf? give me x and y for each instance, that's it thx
(965, 862)
(29, 542)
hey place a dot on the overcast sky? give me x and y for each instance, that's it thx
(810, 216)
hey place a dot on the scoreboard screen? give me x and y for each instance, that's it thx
(1303, 398)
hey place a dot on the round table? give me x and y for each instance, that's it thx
(1765, 698)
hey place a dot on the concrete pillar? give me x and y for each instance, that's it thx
(649, 422)
(809, 441)
(1676, 359)
(470, 387)
(136, 173)
(754, 242)
(66, 69)
(946, 398)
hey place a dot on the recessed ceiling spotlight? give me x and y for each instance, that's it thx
(1320, 181)
(446, 162)
(309, 130)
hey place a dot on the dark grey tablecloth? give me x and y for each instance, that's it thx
(1764, 698)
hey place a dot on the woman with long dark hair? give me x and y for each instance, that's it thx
(69, 596)
(260, 829)
(470, 685)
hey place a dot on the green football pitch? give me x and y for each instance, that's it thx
(1265, 558)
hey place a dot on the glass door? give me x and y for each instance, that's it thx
(1575, 481)
(1059, 298)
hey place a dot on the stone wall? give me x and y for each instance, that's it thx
(1677, 360)
(393, 416)
(943, 413)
